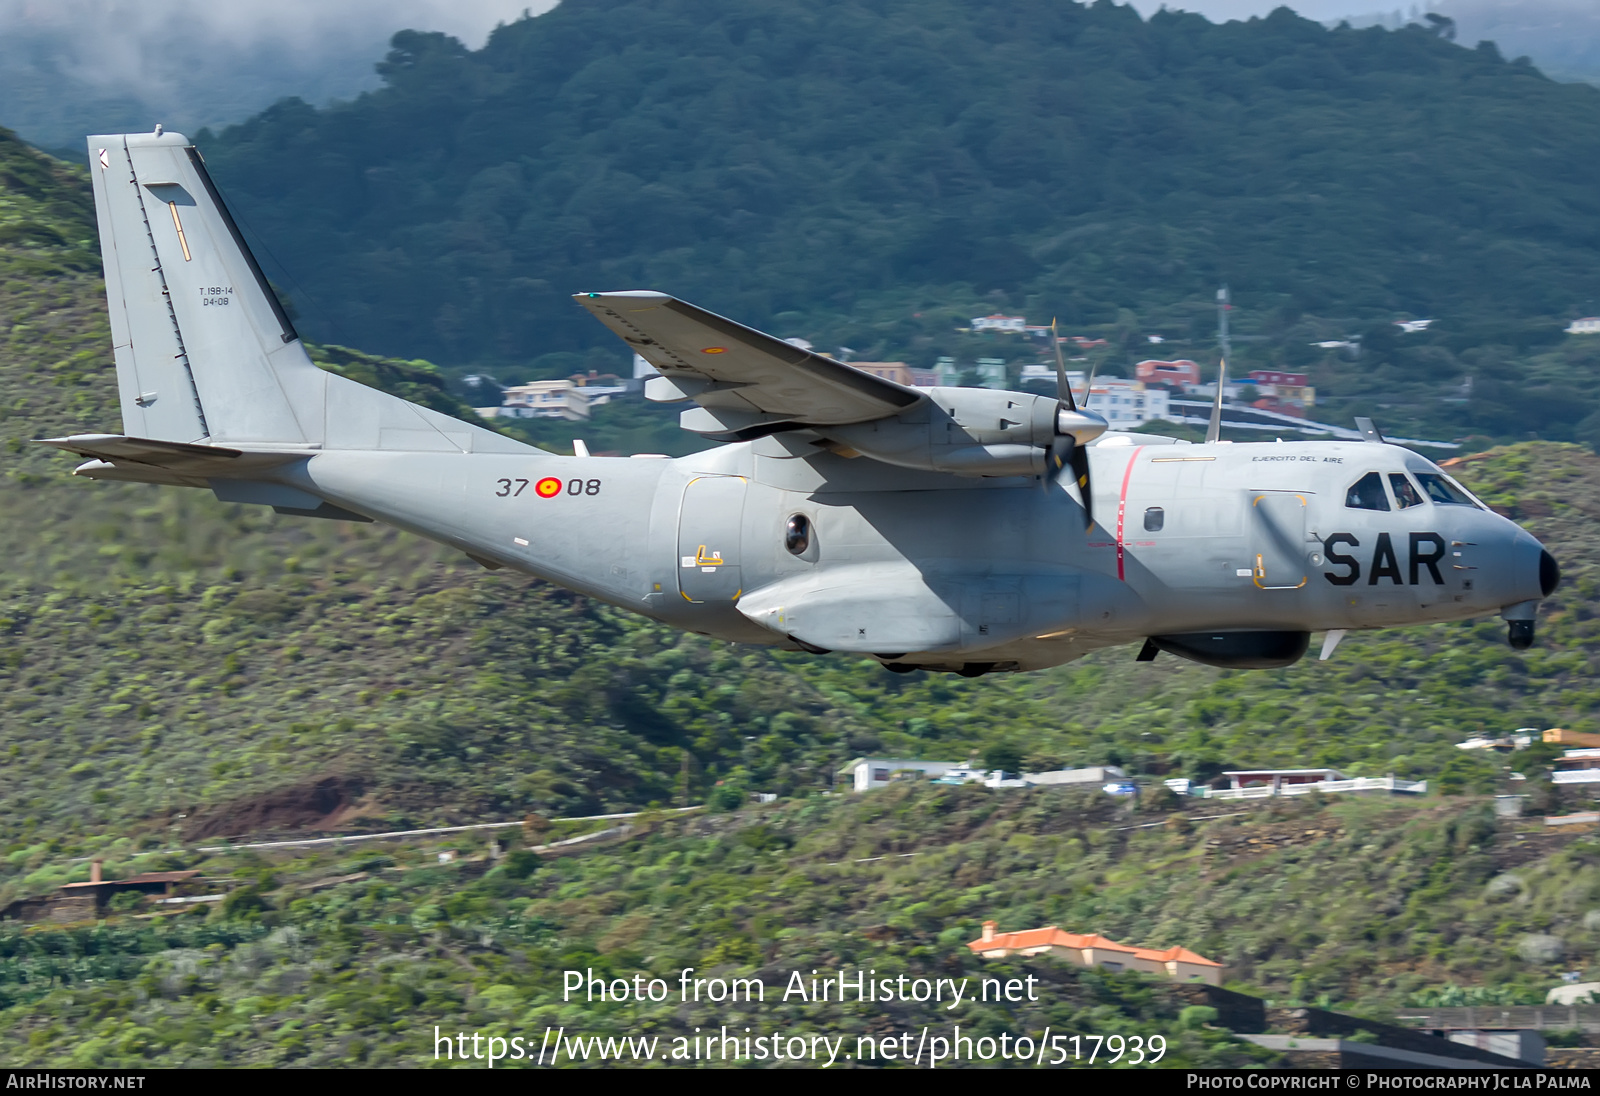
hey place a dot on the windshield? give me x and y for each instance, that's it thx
(1404, 494)
(1443, 489)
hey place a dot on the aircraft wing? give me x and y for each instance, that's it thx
(747, 383)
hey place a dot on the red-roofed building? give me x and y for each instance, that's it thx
(1177, 373)
(1093, 950)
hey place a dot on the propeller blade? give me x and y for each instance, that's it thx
(1063, 389)
(1088, 385)
(1214, 431)
(1079, 460)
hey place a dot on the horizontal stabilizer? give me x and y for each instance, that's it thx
(175, 463)
(115, 447)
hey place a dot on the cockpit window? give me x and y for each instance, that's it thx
(1404, 494)
(1443, 489)
(1366, 493)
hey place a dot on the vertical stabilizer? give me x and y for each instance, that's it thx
(204, 349)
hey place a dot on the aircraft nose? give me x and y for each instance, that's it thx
(1549, 572)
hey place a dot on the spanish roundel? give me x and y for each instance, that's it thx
(548, 487)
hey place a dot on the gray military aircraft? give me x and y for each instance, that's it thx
(953, 529)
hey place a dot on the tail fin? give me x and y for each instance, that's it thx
(201, 342)
(204, 349)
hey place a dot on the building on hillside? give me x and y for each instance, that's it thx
(1093, 950)
(1285, 393)
(1124, 403)
(556, 399)
(1560, 736)
(900, 373)
(992, 373)
(1274, 376)
(867, 773)
(1010, 325)
(597, 385)
(1179, 373)
(1266, 783)
(1589, 325)
(86, 901)
(1518, 740)
(1094, 774)
(1577, 767)
(1411, 327)
(994, 778)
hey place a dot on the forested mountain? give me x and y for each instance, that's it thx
(846, 166)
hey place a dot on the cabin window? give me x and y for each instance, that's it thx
(797, 534)
(1366, 493)
(1443, 489)
(1154, 518)
(1404, 494)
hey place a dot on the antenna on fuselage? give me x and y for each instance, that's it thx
(1214, 431)
(1224, 306)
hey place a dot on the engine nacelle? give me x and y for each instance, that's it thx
(963, 431)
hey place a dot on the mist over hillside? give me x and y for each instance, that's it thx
(1561, 37)
(74, 67)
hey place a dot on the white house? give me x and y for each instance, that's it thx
(1266, 783)
(1127, 403)
(868, 773)
(1016, 325)
(1577, 767)
(557, 399)
(1589, 325)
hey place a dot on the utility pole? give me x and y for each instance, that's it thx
(1223, 308)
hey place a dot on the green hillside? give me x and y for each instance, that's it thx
(870, 173)
(354, 956)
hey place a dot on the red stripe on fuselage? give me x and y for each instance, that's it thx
(1122, 509)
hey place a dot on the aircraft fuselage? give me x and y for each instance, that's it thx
(933, 570)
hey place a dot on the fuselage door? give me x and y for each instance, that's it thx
(1278, 539)
(708, 539)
